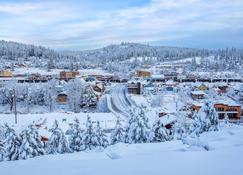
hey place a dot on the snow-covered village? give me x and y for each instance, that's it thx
(103, 87)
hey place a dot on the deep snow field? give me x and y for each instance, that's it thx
(225, 157)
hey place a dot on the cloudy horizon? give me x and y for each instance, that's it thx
(87, 24)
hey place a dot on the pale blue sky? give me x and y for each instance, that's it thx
(87, 24)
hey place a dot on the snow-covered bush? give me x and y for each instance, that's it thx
(191, 141)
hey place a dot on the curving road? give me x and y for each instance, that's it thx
(118, 101)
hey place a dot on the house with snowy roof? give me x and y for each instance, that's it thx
(224, 108)
(197, 95)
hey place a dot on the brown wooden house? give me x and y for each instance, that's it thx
(134, 88)
(143, 73)
(68, 75)
(233, 111)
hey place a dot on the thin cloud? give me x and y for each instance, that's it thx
(78, 26)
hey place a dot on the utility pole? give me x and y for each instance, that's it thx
(15, 106)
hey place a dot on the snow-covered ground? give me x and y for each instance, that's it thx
(174, 158)
(107, 120)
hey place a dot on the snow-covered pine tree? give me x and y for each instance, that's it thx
(138, 130)
(101, 136)
(12, 144)
(159, 132)
(226, 120)
(2, 150)
(118, 134)
(178, 131)
(75, 137)
(89, 98)
(208, 117)
(31, 145)
(90, 138)
(213, 117)
(195, 127)
(58, 142)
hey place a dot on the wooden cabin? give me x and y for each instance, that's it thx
(62, 98)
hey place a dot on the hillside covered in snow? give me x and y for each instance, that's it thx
(120, 58)
(174, 157)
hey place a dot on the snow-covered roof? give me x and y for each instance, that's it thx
(170, 82)
(225, 101)
(168, 119)
(228, 102)
(198, 93)
(157, 76)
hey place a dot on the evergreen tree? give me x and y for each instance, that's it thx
(138, 130)
(88, 97)
(208, 117)
(75, 137)
(31, 145)
(179, 131)
(90, 138)
(195, 127)
(159, 132)
(57, 142)
(118, 134)
(2, 151)
(12, 144)
(101, 136)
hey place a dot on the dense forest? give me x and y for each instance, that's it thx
(121, 58)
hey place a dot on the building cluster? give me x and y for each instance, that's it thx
(159, 79)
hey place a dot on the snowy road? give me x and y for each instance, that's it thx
(118, 101)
